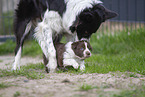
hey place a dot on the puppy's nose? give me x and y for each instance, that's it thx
(88, 53)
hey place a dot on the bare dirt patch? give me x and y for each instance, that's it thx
(67, 84)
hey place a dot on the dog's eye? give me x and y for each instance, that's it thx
(82, 49)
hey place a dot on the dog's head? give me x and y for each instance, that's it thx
(90, 19)
(82, 49)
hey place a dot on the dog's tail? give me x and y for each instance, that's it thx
(47, 5)
(47, 11)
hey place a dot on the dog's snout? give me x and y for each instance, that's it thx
(88, 53)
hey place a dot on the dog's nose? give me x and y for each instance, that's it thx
(88, 53)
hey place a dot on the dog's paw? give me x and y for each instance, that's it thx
(50, 69)
(15, 67)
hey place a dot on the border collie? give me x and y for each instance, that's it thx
(52, 19)
(71, 54)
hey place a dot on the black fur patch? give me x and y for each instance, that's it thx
(27, 9)
(88, 21)
(56, 5)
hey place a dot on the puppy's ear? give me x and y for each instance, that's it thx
(89, 46)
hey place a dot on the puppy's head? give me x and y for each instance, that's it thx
(90, 19)
(82, 49)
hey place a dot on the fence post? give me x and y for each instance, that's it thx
(0, 14)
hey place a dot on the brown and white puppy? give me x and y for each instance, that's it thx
(73, 54)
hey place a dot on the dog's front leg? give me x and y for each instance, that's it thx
(51, 52)
(48, 37)
(44, 38)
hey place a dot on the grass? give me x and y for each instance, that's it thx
(32, 71)
(120, 52)
(7, 47)
(31, 48)
(86, 87)
(17, 94)
(119, 43)
(7, 23)
(1, 61)
(4, 85)
(123, 51)
(138, 92)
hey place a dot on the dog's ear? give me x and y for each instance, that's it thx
(110, 14)
(73, 28)
(105, 13)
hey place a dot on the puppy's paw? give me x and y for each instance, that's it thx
(82, 68)
(76, 66)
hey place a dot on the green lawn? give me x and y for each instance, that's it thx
(31, 48)
(31, 71)
(123, 51)
(7, 23)
(119, 52)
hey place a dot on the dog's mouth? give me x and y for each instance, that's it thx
(87, 56)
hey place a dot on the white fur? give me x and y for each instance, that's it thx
(86, 50)
(69, 57)
(45, 31)
(16, 64)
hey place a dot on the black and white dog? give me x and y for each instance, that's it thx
(75, 19)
